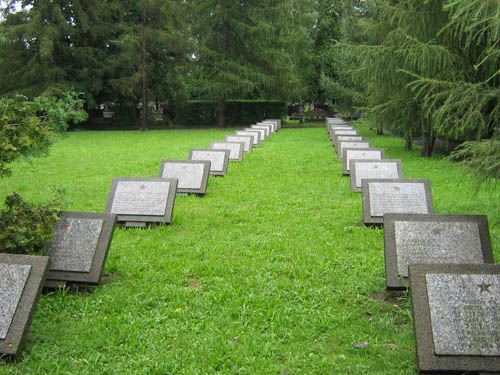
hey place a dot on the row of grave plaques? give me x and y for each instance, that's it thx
(445, 260)
(82, 239)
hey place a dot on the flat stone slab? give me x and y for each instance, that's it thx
(433, 239)
(262, 133)
(192, 175)
(333, 128)
(381, 169)
(400, 196)
(275, 123)
(342, 145)
(347, 138)
(142, 200)
(79, 252)
(456, 320)
(360, 154)
(254, 134)
(247, 141)
(267, 128)
(21, 282)
(219, 159)
(235, 149)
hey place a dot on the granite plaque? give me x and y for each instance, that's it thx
(276, 125)
(395, 196)
(267, 128)
(219, 159)
(21, 281)
(192, 175)
(334, 128)
(382, 169)
(78, 253)
(360, 154)
(273, 125)
(262, 133)
(254, 134)
(142, 200)
(342, 145)
(247, 141)
(13, 277)
(235, 149)
(455, 309)
(433, 239)
(275, 120)
(347, 138)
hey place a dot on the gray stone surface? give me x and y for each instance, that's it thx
(342, 145)
(13, 278)
(464, 314)
(262, 133)
(235, 149)
(247, 140)
(455, 310)
(218, 159)
(254, 134)
(140, 198)
(356, 153)
(274, 124)
(347, 138)
(441, 242)
(395, 196)
(75, 244)
(382, 169)
(267, 128)
(190, 175)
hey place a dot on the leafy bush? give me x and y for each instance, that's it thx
(26, 227)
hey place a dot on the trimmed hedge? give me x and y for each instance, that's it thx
(237, 113)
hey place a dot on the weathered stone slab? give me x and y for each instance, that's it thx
(381, 169)
(273, 125)
(401, 196)
(267, 128)
(360, 154)
(247, 141)
(254, 134)
(235, 149)
(192, 175)
(262, 133)
(276, 121)
(146, 200)
(347, 138)
(433, 239)
(342, 145)
(333, 128)
(341, 132)
(219, 159)
(21, 281)
(456, 320)
(78, 253)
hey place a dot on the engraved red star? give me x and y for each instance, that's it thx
(143, 187)
(436, 231)
(64, 226)
(484, 287)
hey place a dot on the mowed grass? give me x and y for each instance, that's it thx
(271, 272)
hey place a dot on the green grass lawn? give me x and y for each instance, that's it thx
(271, 272)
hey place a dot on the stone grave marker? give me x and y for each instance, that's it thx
(141, 201)
(356, 153)
(381, 169)
(351, 144)
(347, 138)
(433, 239)
(219, 159)
(456, 319)
(235, 149)
(192, 175)
(267, 128)
(336, 133)
(333, 128)
(246, 140)
(78, 253)
(262, 133)
(274, 125)
(401, 196)
(254, 134)
(21, 282)
(277, 121)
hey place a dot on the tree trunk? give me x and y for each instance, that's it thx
(221, 121)
(429, 140)
(408, 141)
(380, 131)
(144, 73)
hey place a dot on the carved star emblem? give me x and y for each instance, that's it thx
(484, 287)
(64, 226)
(436, 231)
(142, 187)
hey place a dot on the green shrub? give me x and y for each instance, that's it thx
(26, 227)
